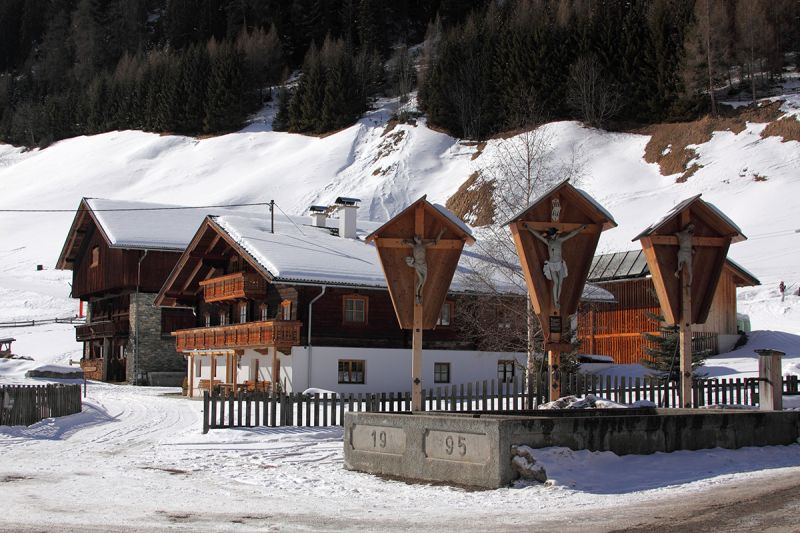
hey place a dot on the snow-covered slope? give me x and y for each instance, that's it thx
(387, 166)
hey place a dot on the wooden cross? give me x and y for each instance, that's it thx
(684, 321)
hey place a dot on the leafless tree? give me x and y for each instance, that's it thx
(707, 47)
(590, 93)
(402, 73)
(755, 34)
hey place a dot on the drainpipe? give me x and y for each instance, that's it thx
(310, 309)
(136, 380)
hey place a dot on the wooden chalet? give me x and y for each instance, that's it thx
(120, 253)
(615, 329)
(298, 304)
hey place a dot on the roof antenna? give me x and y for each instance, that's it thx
(272, 216)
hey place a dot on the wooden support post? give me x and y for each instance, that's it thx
(770, 388)
(416, 360)
(554, 362)
(685, 339)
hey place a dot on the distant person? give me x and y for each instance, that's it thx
(782, 288)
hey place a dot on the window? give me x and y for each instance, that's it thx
(505, 371)
(355, 309)
(286, 310)
(242, 313)
(351, 371)
(264, 309)
(207, 319)
(445, 315)
(441, 372)
(223, 317)
(198, 368)
(95, 256)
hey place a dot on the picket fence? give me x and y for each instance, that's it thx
(23, 405)
(258, 409)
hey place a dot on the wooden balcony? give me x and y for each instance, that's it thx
(236, 286)
(99, 330)
(282, 334)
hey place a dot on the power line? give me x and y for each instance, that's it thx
(172, 208)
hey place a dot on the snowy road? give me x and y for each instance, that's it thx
(135, 459)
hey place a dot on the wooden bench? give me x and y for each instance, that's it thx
(258, 386)
(209, 385)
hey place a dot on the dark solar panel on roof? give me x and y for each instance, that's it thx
(620, 265)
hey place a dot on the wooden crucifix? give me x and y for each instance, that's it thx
(685, 252)
(555, 238)
(419, 251)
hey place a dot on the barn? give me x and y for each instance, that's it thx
(615, 329)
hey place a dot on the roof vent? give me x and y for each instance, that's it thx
(347, 209)
(319, 215)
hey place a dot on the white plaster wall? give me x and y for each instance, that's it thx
(386, 370)
(389, 370)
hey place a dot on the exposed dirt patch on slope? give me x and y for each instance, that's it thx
(473, 201)
(669, 144)
(788, 128)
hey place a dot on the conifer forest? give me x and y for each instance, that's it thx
(479, 67)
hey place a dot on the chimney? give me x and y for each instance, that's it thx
(348, 213)
(319, 215)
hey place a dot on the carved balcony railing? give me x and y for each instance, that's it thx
(98, 330)
(236, 286)
(282, 334)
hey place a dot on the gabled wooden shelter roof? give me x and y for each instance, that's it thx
(582, 196)
(709, 212)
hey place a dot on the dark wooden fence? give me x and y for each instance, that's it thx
(294, 409)
(23, 405)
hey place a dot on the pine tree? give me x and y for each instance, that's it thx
(663, 351)
(225, 109)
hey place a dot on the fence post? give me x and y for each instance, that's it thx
(205, 412)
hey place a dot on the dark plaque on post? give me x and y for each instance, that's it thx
(555, 325)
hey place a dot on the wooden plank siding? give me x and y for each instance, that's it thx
(615, 329)
(117, 269)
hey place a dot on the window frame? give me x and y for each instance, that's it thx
(450, 304)
(354, 298)
(506, 363)
(286, 310)
(243, 314)
(263, 312)
(94, 260)
(437, 374)
(350, 371)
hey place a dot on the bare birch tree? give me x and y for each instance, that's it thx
(590, 93)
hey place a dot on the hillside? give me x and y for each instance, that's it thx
(387, 165)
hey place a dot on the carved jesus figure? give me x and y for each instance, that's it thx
(417, 260)
(555, 268)
(685, 251)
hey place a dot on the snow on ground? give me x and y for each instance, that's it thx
(136, 457)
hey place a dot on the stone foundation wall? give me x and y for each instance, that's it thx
(155, 354)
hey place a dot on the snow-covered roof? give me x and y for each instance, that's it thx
(128, 224)
(306, 254)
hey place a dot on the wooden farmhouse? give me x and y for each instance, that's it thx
(304, 304)
(120, 253)
(615, 329)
